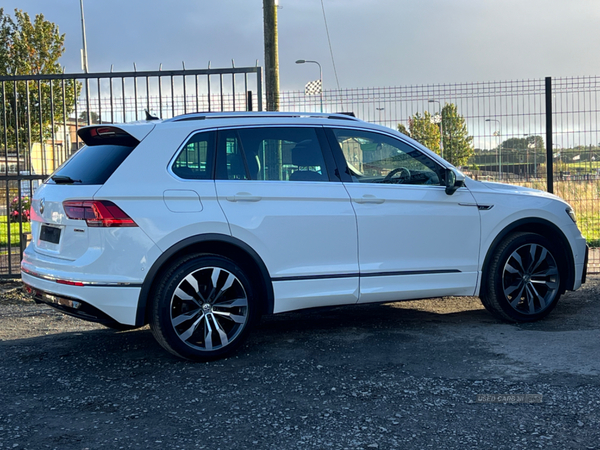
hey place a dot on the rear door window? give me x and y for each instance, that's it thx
(271, 154)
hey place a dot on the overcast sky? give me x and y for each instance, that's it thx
(375, 42)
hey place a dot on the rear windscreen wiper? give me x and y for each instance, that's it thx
(62, 179)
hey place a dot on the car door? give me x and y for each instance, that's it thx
(277, 189)
(415, 241)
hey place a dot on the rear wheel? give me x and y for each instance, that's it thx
(523, 280)
(203, 308)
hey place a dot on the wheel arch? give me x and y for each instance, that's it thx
(544, 228)
(213, 243)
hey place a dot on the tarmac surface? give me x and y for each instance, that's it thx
(438, 373)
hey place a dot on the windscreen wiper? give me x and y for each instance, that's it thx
(63, 179)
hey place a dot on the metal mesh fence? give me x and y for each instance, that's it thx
(507, 120)
(40, 115)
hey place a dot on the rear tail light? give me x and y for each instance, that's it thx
(97, 213)
(70, 283)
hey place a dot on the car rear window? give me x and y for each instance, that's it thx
(92, 164)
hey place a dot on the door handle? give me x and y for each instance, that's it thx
(369, 199)
(244, 197)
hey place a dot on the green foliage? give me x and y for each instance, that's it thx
(560, 166)
(458, 145)
(423, 130)
(32, 48)
(402, 129)
(94, 117)
(524, 143)
(15, 230)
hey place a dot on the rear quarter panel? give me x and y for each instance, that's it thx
(144, 188)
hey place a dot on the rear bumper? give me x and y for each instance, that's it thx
(72, 307)
(96, 303)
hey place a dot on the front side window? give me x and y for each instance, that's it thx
(271, 154)
(195, 160)
(378, 158)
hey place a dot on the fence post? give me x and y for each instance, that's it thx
(249, 101)
(549, 154)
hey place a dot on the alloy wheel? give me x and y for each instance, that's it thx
(530, 279)
(209, 308)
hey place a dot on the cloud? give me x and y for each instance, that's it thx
(374, 42)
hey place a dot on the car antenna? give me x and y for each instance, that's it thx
(150, 116)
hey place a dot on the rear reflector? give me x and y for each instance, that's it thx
(70, 283)
(97, 213)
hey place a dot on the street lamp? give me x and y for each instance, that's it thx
(498, 152)
(441, 126)
(379, 109)
(303, 61)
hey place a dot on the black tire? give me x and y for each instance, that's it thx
(523, 280)
(203, 308)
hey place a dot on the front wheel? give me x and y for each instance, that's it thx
(523, 280)
(203, 308)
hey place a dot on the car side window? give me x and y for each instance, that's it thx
(378, 158)
(195, 160)
(271, 154)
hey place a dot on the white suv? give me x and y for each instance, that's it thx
(199, 224)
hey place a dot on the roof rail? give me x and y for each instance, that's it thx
(255, 114)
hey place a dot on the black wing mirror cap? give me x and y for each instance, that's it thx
(453, 180)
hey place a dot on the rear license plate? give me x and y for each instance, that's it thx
(50, 234)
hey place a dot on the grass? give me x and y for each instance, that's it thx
(15, 236)
(584, 197)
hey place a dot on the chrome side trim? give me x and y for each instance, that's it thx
(84, 283)
(365, 275)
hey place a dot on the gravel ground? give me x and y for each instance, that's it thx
(440, 373)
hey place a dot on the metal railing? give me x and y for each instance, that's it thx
(509, 122)
(39, 117)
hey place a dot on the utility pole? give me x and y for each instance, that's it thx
(84, 58)
(271, 54)
(84, 65)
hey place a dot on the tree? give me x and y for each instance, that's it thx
(94, 117)
(422, 129)
(31, 108)
(402, 129)
(425, 131)
(458, 145)
(523, 143)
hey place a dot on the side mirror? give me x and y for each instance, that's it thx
(454, 179)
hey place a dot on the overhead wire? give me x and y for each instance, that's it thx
(330, 47)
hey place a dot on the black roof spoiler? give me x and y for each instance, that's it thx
(106, 134)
